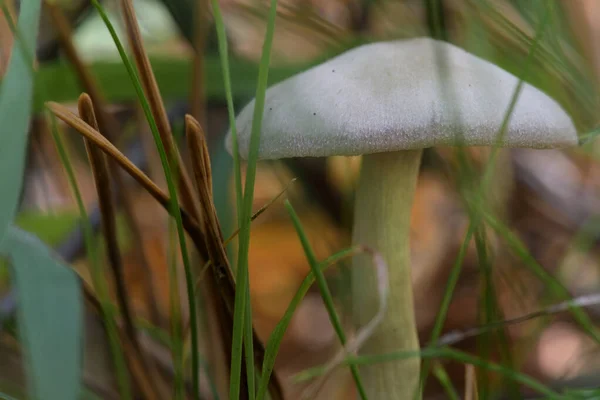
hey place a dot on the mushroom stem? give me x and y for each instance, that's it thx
(382, 221)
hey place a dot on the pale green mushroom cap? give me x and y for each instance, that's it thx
(392, 96)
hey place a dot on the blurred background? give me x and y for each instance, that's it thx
(548, 200)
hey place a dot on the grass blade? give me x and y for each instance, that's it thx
(276, 337)
(50, 316)
(325, 292)
(224, 56)
(444, 353)
(177, 347)
(442, 376)
(475, 225)
(242, 293)
(551, 283)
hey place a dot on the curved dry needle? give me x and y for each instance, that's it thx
(107, 147)
(363, 334)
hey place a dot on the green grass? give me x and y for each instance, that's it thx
(325, 292)
(272, 347)
(241, 304)
(448, 354)
(244, 333)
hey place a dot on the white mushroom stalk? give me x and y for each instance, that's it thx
(386, 101)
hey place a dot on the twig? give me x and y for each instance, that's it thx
(454, 337)
(470, 383)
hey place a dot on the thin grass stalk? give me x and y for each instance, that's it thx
(442, 376)
(175, 311)
(240, 320)
(325, 292)
(224, 56)
(475, 218)
(519, 249)
(448, 354)
(447, 299)
(276, 337)
(223, 52)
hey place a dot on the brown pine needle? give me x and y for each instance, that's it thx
(152, 92)
(100, 172)
(108, 126)
(218, 260)
(218, 324)
(257, 214)
(101, 175)
(189, 223)
(222, 284)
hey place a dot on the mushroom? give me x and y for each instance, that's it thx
(387, 101)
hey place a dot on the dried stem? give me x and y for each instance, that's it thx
(152, 92)
(212, 230)
(218, 326)
(189, 223)
(99, 166)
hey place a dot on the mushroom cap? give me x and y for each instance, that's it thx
(401, 95)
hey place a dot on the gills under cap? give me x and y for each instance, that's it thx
(401, 95)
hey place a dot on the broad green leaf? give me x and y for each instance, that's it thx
(49, 228)
(49, 316)
(15, 106)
